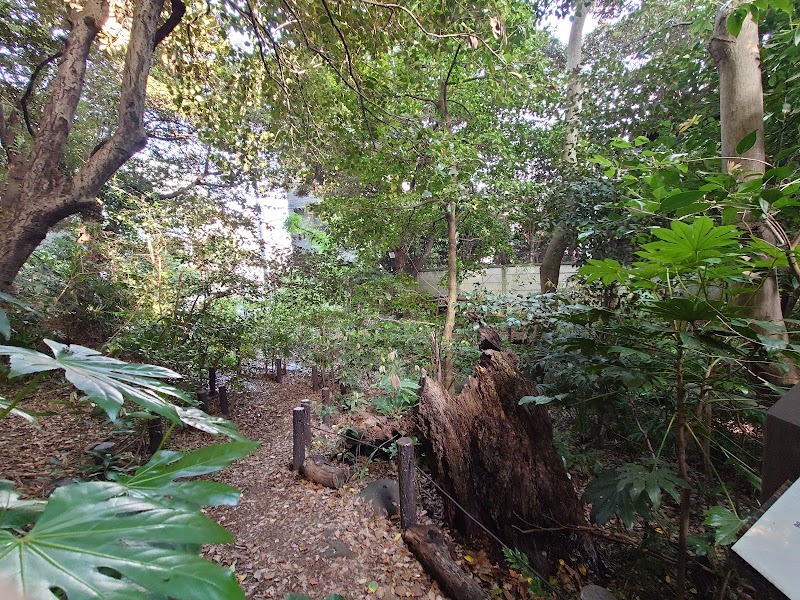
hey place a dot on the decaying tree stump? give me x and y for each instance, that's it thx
(497, 459)
(427, 543)
(319, 469)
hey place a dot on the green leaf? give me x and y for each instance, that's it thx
(109, 382)
(157, 477)
(735, 20)
(538, 400)
(726, 524)
(747, 142)
(14, 512)
(94, 541)
(680, 200)
(4, 404)
(5, 325)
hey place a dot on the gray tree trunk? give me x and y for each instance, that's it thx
(738, 64)
(550, 270)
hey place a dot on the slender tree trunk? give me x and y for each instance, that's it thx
(448, 376)
(741, 113)
(452, 296)
(550, 270)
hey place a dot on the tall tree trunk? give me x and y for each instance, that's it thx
(550, 270)
(738, 64)
(448, 377)
(38, 194)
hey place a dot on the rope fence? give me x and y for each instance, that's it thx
(302, 432)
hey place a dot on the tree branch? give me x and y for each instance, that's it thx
(23, 102)
(130, 135)
(177, 10)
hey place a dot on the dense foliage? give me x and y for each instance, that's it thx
(432, 134)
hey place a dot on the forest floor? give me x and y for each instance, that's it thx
(291, 535)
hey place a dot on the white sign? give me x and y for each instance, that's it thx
(772, 545)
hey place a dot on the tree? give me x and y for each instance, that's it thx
(554, 253)
(38, 193)
(735, 48)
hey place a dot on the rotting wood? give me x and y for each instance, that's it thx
(212, 381)
(314, 378)
(407, 479)
(154, 435)
(307, 433)
(497, 460)
(298, 438)
(427, 543)
(320, 470)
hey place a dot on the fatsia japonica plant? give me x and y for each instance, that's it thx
(137, 536)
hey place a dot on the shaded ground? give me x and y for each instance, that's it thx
(293, 535)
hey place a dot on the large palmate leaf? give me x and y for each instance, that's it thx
(109, 382)
(158, 477)
(94, 540)
(131, 538)
(690, 245)
(630, 490)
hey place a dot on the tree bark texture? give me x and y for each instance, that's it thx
(496, 458)
(319, 469)
(38, 194)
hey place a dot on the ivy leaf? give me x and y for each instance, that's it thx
(726, 524)
(94, 541)
(747, 142)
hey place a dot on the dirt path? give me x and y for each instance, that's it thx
(293, 536)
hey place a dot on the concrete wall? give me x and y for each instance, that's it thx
(522, 280)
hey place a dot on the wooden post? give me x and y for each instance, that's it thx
(407, 478)
(298, 437)
(314, 378)
(212, 381)
(306, 404)
(154, 435)
(278, 370)
(224, 407)
(326, 406)
(202, 398)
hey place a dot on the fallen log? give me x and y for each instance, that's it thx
(427, 543)
(319, 469)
